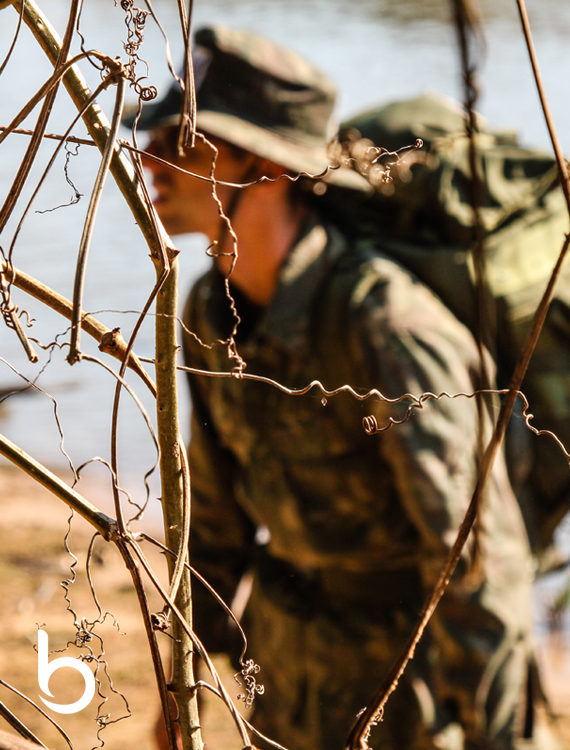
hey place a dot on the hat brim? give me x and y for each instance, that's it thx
(278, 148)
(298, 157)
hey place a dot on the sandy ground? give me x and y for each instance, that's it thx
(33, 564)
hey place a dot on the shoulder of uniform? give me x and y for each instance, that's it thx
(388, 293)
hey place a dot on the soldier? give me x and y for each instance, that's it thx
(342, 533)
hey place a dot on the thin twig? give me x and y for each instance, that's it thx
(34, 385)
(13, 45)
(38, 708)
(470, 40)
(110, 341)
(120, 379)
(560, 160)
(168, 53)
(96, 123)
(107, 465)
(105, 525)
(271, 743)
(175, 490)
(161, 257)
(187, 127)
(75, 354)
(34, 145)
(45, 89)
(165, 700)
(50, 136)
(19, 726)
(195, 641)
(205, 583)
(47, 169)
(467, 32)
(10, 313)
(204, 178)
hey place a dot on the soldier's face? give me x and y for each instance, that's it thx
(184, 202)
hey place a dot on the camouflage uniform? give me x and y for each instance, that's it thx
(346, 533)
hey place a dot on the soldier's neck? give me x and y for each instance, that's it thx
(266, 224)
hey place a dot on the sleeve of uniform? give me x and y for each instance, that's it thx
(221, 535)
(406, 341)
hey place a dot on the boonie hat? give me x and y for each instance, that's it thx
(260, 97)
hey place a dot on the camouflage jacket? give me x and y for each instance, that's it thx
(292, 484)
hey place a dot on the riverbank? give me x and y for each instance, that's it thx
(33, 564)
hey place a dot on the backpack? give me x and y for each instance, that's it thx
(423, 219)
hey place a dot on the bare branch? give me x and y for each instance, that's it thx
(560, 160)
(105, 525)
(118, 75)
(110, 341)
(98, 127)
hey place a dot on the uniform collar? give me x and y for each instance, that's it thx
(288, 318)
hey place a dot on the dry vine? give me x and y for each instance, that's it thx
(122, 160)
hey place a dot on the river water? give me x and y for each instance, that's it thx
(376, 51)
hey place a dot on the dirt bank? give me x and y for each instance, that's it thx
(33, 564)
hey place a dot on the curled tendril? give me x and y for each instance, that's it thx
(378, 165)
(248, 672)
(148, 93)
(370, 425)
(135, 21)
(83, 635)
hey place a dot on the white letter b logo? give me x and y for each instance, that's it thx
(46, 670)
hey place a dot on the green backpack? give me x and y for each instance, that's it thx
(424, 220)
